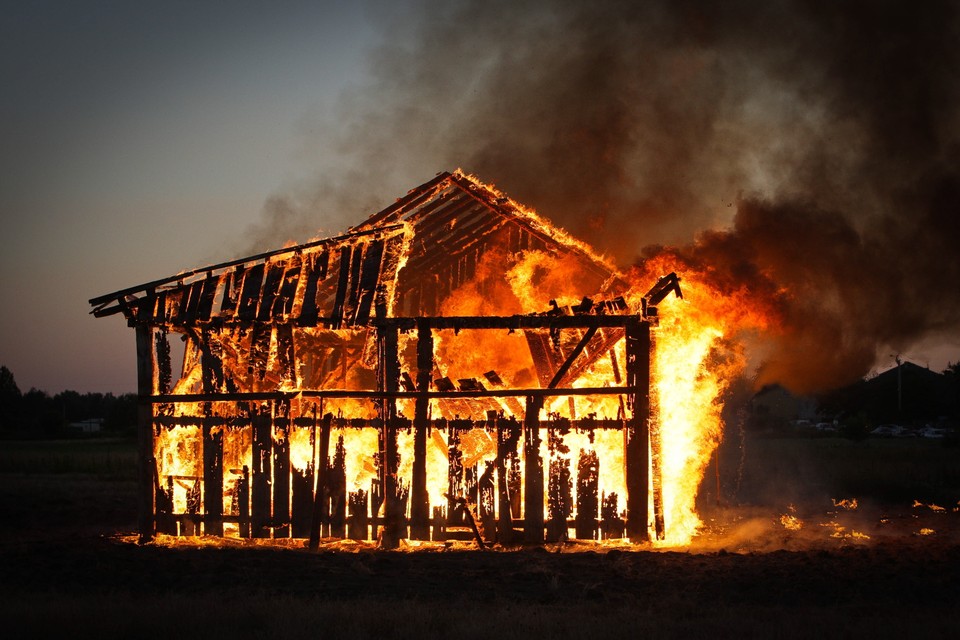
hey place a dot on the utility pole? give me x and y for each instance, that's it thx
(899, 385)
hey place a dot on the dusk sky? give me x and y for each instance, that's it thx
(140, 140)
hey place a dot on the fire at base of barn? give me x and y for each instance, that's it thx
(454, 368)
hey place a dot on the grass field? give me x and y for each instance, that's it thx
(100, 457)
(64, 570)
(886, 470)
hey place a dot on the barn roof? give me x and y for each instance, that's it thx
(434, 233)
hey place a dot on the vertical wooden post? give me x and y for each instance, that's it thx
(533, 473)
(337, 491)
(281, 469)
(506, 451)
(212, 479)
(420, 499)
(588, 475)
(357, 522)
(559, 482)
(636, 433)
(389, 380)
(455, 487)
(262, 450)
(243, 498)
(146, 465)
(302, 489)
(320, 495)
(656, 464)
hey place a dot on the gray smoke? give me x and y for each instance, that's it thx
(820, 138)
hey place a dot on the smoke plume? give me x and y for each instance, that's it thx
(805, 150)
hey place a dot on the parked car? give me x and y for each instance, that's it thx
(889, 431)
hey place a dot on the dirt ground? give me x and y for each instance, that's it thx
(69, 565)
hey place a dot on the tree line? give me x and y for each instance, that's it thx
(36, 414)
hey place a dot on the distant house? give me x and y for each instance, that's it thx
(901, 394)
(774, 406)
(90, 425)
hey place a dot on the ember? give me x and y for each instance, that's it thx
(454, 368)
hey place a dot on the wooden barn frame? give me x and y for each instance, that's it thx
(274, 341)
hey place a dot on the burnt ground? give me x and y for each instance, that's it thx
(69, 566)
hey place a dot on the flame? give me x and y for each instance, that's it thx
(695, 358)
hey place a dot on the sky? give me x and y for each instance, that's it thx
(139, 140)
(799, 146)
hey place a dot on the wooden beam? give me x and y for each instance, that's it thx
(388, 379)
(533, 473)
(262, 457)
(562, 371)
(637, 452)
(420, 501)
(588, 475)
(281, 469)
(212, 481)
(518, 322)
(319, 499)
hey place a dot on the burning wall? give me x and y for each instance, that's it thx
(385, 384)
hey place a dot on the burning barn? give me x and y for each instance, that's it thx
(452, 368)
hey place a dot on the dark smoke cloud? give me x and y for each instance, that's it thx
(820, 138)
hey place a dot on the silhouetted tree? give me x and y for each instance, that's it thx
(10, 401)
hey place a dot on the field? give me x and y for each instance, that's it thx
(777, 559)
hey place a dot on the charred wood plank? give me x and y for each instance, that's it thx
(420, 503)
(337, 491)
(283, 305)
(250, 294)
(368, 280)
(336, 313)
(486, 502)
(612, 524)
(637, 437)
(320, 495)
(588, 477)
(165, 522)
(386, 230)
(353, 297)
(533, 473)
(207, 294)
(388, 379)
(193, 302)
(243, 502)
(281, 469)
(232, 286)
(212, 480)
(508, 436)
(317, 266)
(270, 290)
(559, 485)
(455, 486)
(577, 350)
(358, 522)
(260, 349)
(262, 428)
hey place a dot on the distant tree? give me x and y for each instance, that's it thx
(10, 401)
(952, 374)
(41, 416)
(121, 415)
